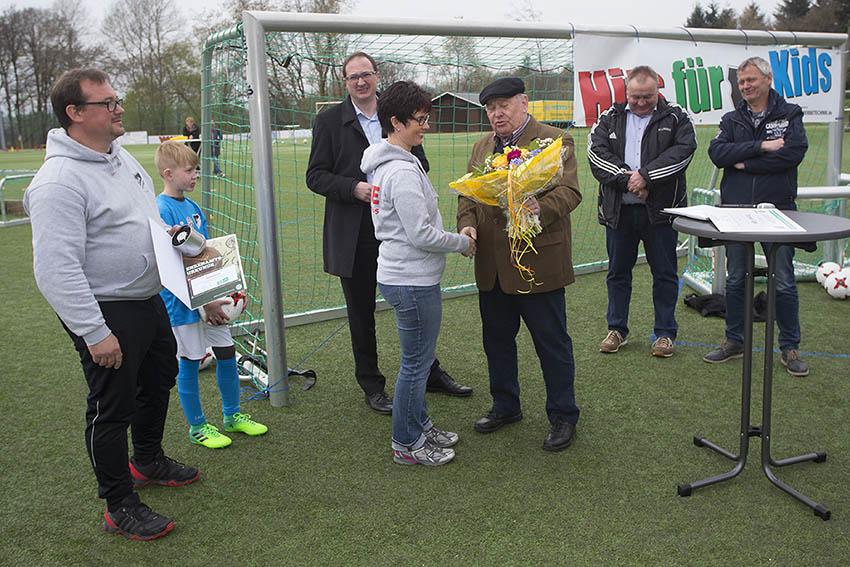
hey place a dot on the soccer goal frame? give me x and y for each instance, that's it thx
(256, 24)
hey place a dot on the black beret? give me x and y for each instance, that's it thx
(501, 88)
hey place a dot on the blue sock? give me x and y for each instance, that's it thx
(228, 384)
(187, 390)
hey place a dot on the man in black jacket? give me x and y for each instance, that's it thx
(350, 249)
(759, 146)
(638, 151)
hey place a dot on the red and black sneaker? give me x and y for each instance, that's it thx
(163, 471)
(135, 520)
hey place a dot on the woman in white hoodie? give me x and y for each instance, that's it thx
(411, 260)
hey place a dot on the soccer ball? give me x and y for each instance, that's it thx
(824, 270)
(838, 284)
(207, 359)
(232, 309)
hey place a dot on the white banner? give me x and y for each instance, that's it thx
(702, 77)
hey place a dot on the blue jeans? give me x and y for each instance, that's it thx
(787, 300)
(546, 318)
(418, 311)
(659, 242)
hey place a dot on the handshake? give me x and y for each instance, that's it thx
(472, 235)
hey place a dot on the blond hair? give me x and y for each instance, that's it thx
(174, 154)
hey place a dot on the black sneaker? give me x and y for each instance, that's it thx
(164, 471)
(135, 520)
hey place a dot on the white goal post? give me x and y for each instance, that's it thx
(256, 24)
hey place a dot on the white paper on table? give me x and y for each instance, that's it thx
(698, 212)
(169, 262)
(752, 220)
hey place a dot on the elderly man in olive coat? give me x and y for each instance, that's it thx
(504, 296)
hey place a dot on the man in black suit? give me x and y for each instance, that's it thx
(350, 249)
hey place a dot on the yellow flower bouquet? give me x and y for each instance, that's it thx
(507, 180)
(528, 171)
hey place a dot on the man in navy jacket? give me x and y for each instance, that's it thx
(759, 146)
(638, 151)
(340, 136)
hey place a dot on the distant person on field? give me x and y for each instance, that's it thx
(215, 144)
(340, 136)
(191, 131)
(90, 205)
(759, 146)
(638, 151)
(177, 165)
(411, 260)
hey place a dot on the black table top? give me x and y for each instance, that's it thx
(818, 227)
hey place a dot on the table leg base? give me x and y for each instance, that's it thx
(818, 457)
(700, 441)
(687, 489)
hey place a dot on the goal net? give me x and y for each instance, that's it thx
(303, 77)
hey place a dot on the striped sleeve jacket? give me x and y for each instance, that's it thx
(667, 148)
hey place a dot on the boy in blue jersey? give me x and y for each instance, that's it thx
(176, 164)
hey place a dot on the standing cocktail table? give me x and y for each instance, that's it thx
(818, 227)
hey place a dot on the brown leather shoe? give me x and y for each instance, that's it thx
(663, 347)
(613, 342)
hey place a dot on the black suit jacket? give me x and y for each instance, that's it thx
(333, 171)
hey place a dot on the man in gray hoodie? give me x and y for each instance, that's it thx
(93, 259)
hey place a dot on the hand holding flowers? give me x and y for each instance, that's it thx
(510, 180)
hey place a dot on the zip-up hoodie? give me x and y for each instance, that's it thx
(406, 219)
(91, 238)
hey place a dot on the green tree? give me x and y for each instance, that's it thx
(13, 75)
(457, 61)
(752, 18)
(38, 46)
(790, 13)
(151, 59)
(827, 16)
(697, 18)
(711, 17)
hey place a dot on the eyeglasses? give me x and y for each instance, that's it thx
(110, 105)
(422, 120)
(359, 76)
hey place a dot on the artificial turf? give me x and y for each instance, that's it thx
(321, 488)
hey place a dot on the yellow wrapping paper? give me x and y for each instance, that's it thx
(527, 178)
(509, 189)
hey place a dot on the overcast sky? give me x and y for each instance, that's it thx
(648, 13)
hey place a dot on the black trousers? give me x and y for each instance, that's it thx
(359, 291)
(135, 396)
(545, 317)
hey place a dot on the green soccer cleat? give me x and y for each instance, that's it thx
(208, 436)
(243, 423)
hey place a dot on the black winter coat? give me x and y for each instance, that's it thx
(333, 171)
(767, 177)
(667, 148)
